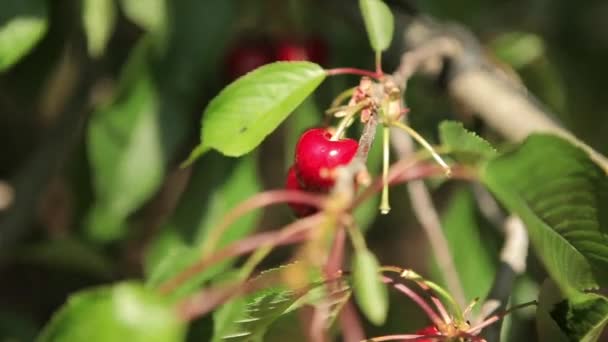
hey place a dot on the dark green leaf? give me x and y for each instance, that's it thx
(67, 254)
(123, 312)
(98, 18)
(246, 111)
(475, 263)
(216, 186)
(133, 139)
(370, 293)
(22, 25)
(465, 146)
(249, 318)
(379, 23)
(562, 197)
(580, 317)
(125, 149)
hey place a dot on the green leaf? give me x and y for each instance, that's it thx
(254, 318)
(123, 312)
(562, 197)
(126, 149)
(580, 317)
(379, 23)
(464, 145)
(518, 48)
(132, 140)
(246, 111)
(22, 24)
(249, 318)
(475, 264)
(216, 186)
(370, 293)
(150, 14)
(99, 17)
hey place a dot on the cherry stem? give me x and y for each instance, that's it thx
(342, 97)
(291, 233)
(352, 71)
(384, 203)
(257, 201)
(378, 58)
(496, 317)
(404, 337)
(424, 143)
(417, 299)
(429, 286)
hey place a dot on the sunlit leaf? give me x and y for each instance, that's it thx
(22, 25)
(98, 17)
(379, 23)
(150, 14)
(123, 312)
(464, 145)
(562, 197)
(245, 112)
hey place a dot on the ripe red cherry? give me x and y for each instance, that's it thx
(245, 57)
(291, 51)
(317, 50)
(292, 183)
(317, 156)
(430, 330)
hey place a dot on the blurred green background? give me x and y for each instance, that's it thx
(101, 100)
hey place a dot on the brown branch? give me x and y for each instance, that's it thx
(476, 83)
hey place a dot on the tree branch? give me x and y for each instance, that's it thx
(427, 215)
(476, 83)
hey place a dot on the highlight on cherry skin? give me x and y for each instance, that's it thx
(318, 153)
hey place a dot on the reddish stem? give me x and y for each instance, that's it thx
(405, 337)
(417, 299)
(259, 201)
(350, 324)
(292, 233)
(353, 71)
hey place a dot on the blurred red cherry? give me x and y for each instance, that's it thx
(317, 50)
(246, 56)
(291, 51)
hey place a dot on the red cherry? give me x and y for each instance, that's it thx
(292, 183)
(291, 51)
(317, 50)
(245, 57)
(430, 330)
(317, 156)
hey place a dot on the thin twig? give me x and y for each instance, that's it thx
(292, 233)
(427, 215)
